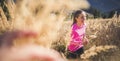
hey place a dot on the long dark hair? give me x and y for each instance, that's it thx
(76, 15)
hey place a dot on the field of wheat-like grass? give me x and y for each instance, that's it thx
(48, 20)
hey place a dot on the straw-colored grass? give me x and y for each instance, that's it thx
(103, 35)
(47, 19)
(44, 17)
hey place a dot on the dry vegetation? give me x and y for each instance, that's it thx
(103, 35)
(47, 18)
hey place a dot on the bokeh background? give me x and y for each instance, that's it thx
(52, 20)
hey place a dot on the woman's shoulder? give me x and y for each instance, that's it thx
(74, 27)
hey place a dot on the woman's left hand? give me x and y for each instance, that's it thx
(85, 41)
(28, 52)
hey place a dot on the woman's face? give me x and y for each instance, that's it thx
(81, 18)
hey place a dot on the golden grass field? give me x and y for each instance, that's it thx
(48, 19)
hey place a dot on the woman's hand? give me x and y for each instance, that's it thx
(85, 41)
(7, 38)
(28, 52)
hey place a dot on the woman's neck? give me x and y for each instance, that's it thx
(79, 24)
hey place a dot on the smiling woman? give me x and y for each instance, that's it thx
(78, 38)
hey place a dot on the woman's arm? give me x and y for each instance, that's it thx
(85, 40)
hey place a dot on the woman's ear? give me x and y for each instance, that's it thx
(76, 18)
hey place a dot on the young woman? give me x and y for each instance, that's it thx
(78, 39)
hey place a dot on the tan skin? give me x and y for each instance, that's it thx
(80, 20)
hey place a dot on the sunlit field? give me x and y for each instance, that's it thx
(50, 20)
(103, 35)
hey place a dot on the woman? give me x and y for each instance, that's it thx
(78, 39)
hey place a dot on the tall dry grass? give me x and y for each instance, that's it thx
(44, 17)
(4, 24)
(104, 32)
(103, 35)
(47, 19)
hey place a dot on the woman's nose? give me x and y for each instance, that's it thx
(83, 18)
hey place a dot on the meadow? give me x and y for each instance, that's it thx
(49, 20)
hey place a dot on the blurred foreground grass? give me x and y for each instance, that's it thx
(54, 32)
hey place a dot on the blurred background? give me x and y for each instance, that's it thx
(52, 20)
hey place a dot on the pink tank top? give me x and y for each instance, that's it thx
(77, 35)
